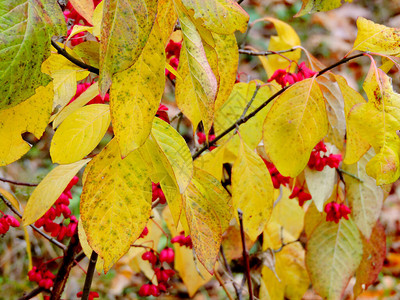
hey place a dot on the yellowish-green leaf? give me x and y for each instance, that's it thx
(125, 29)
(219, 16)
(208, 212)
(287, 38)
(80, 133)
(356, 146)
(192, 273)
(10, 197)
(49, 189)
(196, 91)
(85, 8)
(115, 202)
(376, 38)
(312, 218)
(252, 191)
(312, 6)
(86, 248)
(26, 30)
(296, 122)
(320, 184)
(97, 19)
(233, 109)
(166, 19)
(365, 198)
(377, 122)
(91, 92)
(136, 94)
(88, 52)
(30, 116)
(334, 252)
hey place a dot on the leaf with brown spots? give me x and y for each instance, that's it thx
(208, 212)
(125, 30)
(136, 94)
(115, 202)
(26, 29)
(30, 116)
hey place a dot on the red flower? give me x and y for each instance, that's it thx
(162, 113)
(300, 194)
(335, 211)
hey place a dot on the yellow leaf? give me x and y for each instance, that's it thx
(32, 116)
(136, 94)
(80, 133)
(125, 29)
(97, 19)
(197, 90)
(334, 252)
(312, 218)
(85, 8)
(233, 109)
(312, 6)
(86, 248)
(49, 189)
(212, 162)
(296, 122)
(219, 16)
(83, 98)
(287, 38)
(208, 212)
(377, 122)
(376, 38)
(10, 197)
(166, 19)
(88, 52)
(252, 191)
(356, 146)
(78, 29)
(115, 202)
(192, 273)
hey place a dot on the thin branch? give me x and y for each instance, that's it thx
(65, 268)
(265, 53)
(54, 241)
(251, 101)
(228, 268)
(18, 182)
(245, 255)
(72, 59)
(349, 174)
(33, 293)
(89, 276)
(258, 109)
(221, 282)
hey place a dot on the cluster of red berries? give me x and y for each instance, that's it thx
(319, 162)
(183, 240)
(173, 51)
(277, 178)
(301, 195)
(6, 221)
(283, 77)
(72, 17)
(335, 211)
(59, 208)
(201, 139)
(81, 87)
(42, 276)
(92, 295)
(158, 193)
(167, 255)
(144, 233)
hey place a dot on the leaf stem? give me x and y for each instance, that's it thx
(245, 255)
(89, 275)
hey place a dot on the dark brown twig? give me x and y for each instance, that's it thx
(245, 255)
(18, 182)
(265, 53)
(89, 275)
(66, 266)
(33, 293)
(258, 109)
(54, 241)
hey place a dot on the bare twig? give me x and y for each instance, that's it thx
(89, 276)
(245, 255)
(65, 268)
(251, 101)
(228, 268)
(265, 53)
(221, 282)
(33, 293)
(18, 182)
(72, 59)
(54, 241)
(259, 108)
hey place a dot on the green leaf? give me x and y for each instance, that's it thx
(125, 29)
(49, 189)
(26, 29)
(365, 198)
(333, 254)
(296, 122)
(80, 133)
(312, 6)
(219, 16)
(136, 94)
(115, 202)
(208, 212)
(252, 191)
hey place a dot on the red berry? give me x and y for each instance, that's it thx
(150, 256)
(167, 255)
